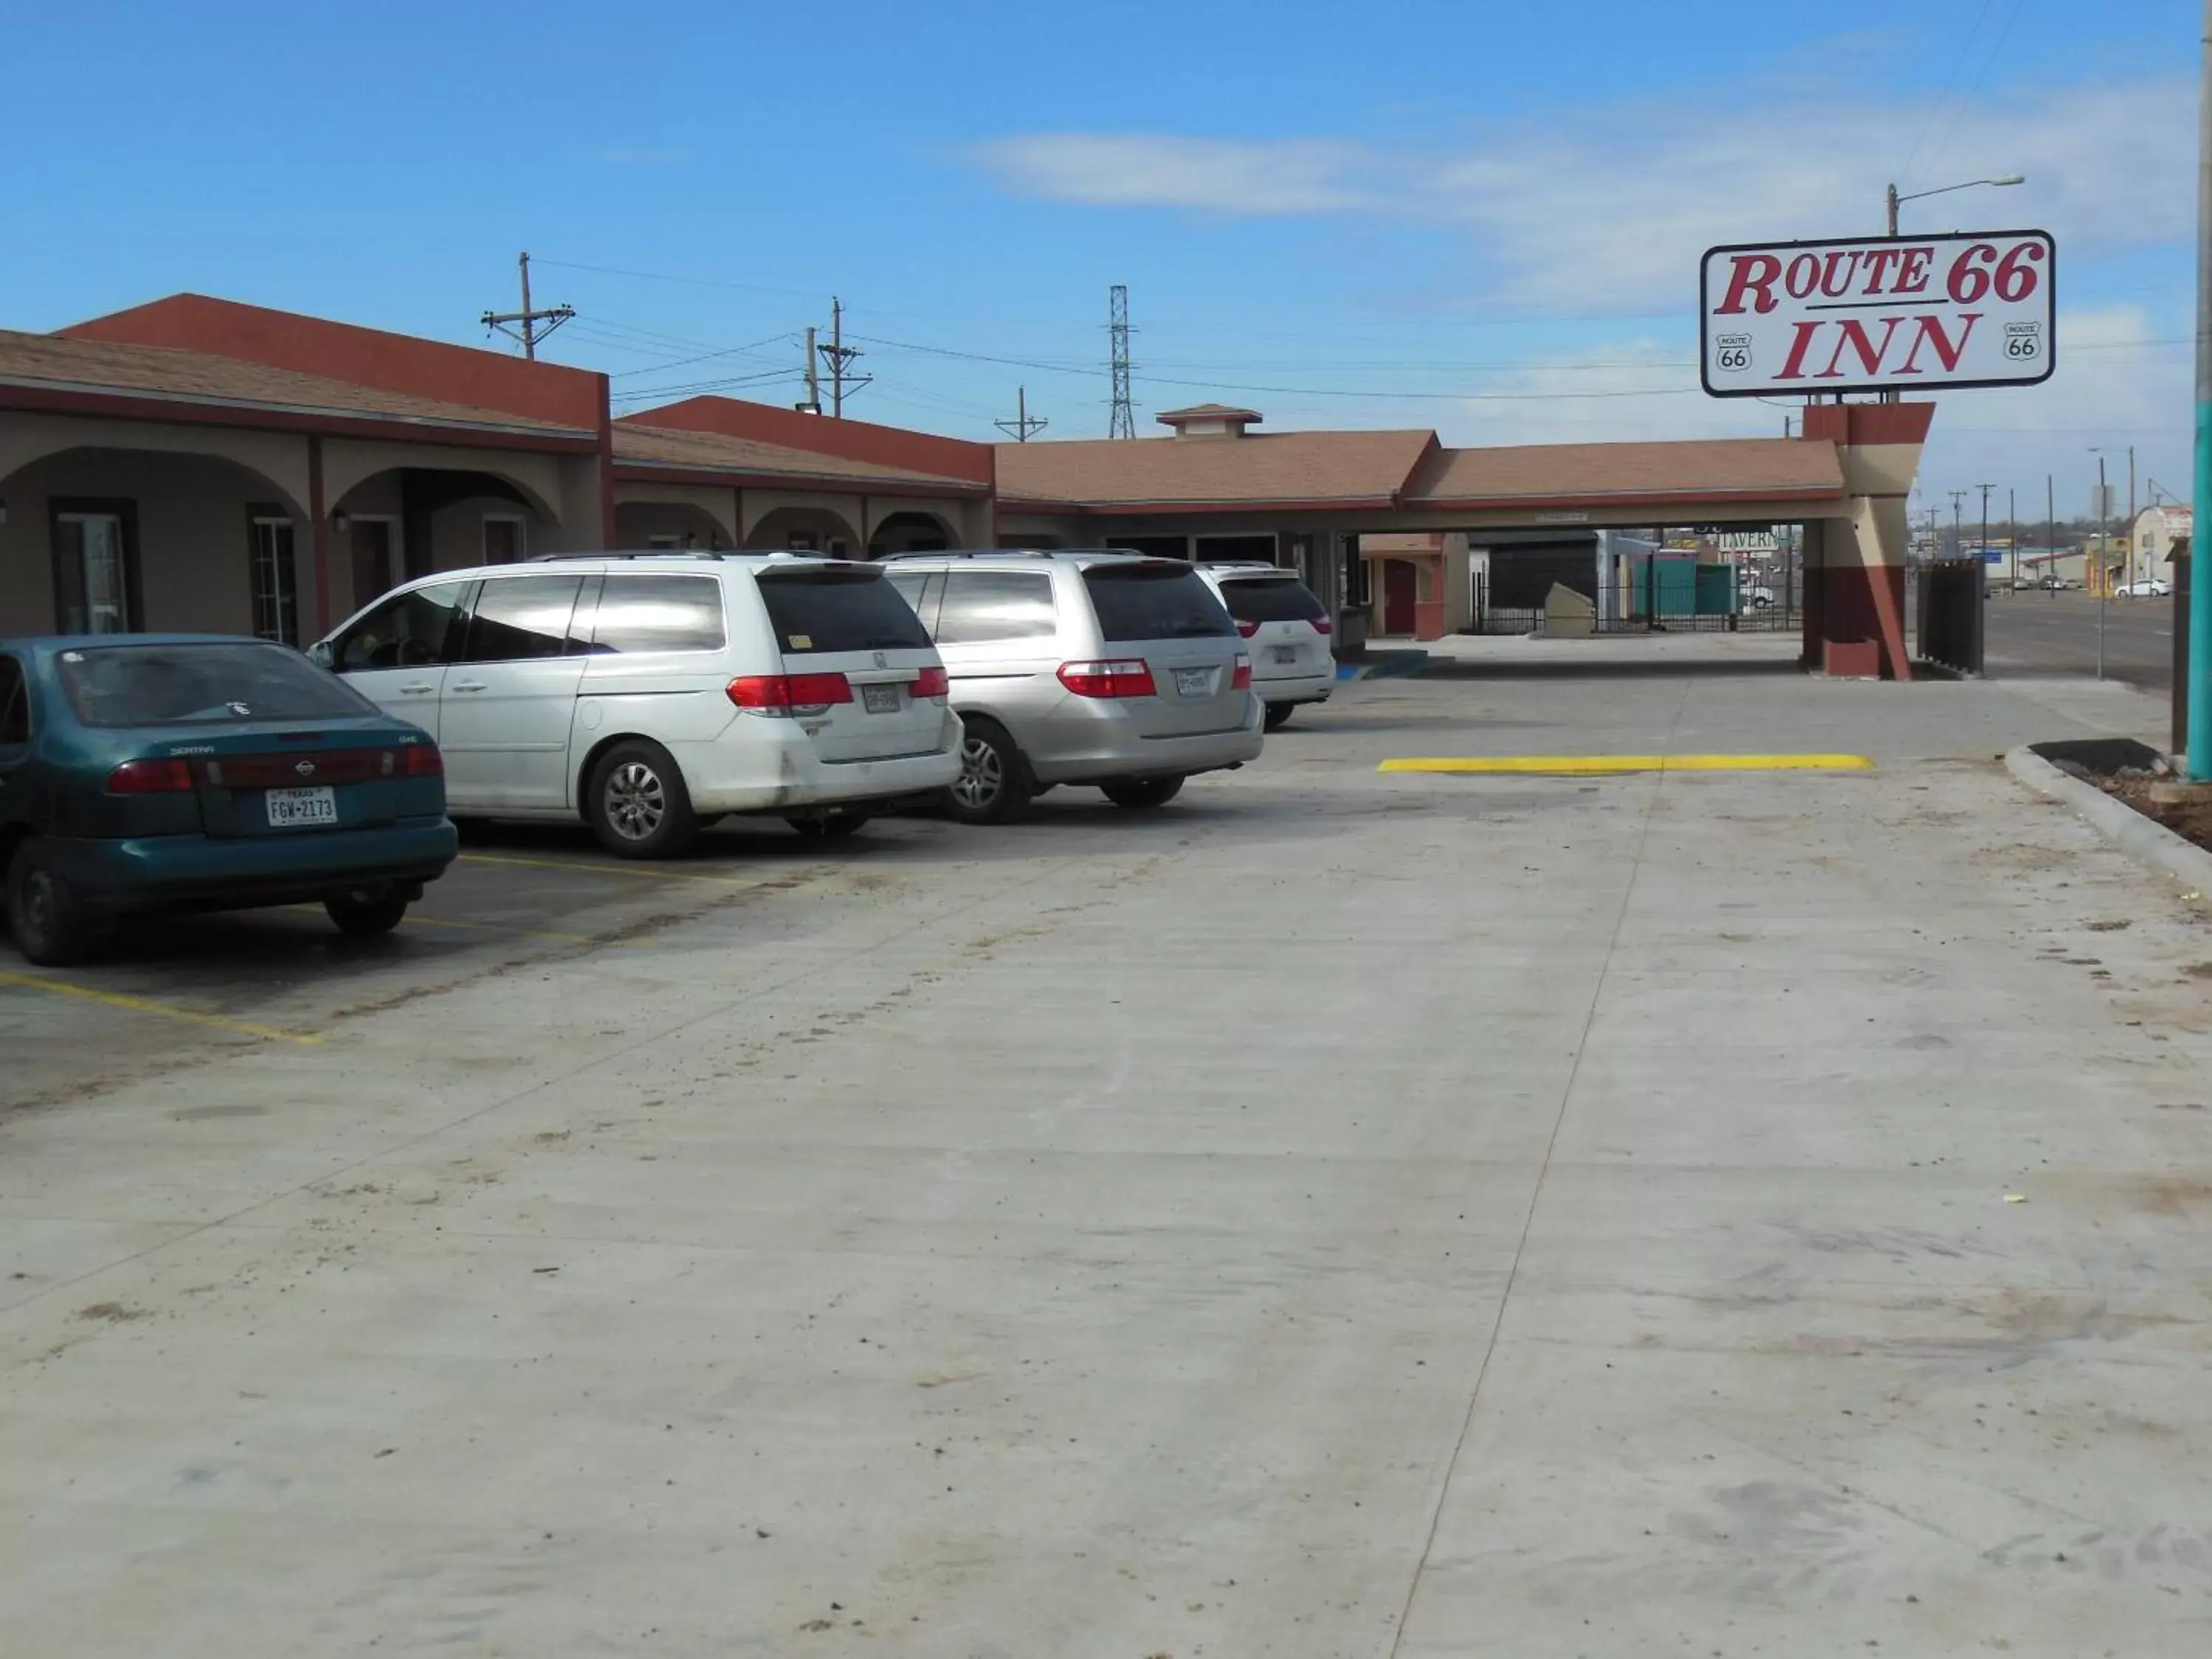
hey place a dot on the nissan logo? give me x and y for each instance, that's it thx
(306, 769)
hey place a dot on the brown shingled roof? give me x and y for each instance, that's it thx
(656, 447)
(1326, 468)
(52, 362)
(1708, 467)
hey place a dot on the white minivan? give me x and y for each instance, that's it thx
(650, 694)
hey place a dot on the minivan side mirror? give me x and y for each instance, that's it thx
(321, 655)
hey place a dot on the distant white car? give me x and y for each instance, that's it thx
(2146, 587)
(1758, 598)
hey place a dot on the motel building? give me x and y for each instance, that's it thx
(195, 464)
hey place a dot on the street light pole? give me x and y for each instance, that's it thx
(1891, 199)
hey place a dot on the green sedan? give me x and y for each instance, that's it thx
(148, 772)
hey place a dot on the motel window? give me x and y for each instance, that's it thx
(95, 567)
(274, 582)
(502, 541)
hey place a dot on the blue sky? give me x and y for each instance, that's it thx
(1489, 212)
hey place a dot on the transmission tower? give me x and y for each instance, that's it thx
(1025, 425)
(526, 321)
(1123, 423)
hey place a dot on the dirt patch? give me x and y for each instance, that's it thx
(113, 1313)
(2190, 818)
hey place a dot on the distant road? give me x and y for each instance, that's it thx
(2032, 635)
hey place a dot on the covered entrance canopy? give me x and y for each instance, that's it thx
(1320, 494)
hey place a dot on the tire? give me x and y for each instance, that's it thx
(1279, 715)
(831, 826)
(52, 927)
(637, 803)
(995, 779)
(1139, 794)
(365, 916)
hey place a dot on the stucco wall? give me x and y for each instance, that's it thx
(192, 539)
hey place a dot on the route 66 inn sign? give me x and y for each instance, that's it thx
(1878, 313)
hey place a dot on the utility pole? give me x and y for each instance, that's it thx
(2133, 575)
(525, 321)
(813, 404)
(2198, 761)
(1985, 549)
(837, 355)
(1022, 427)
(2012, 530)
(2050, 520)
(1958, 498)
(1122, 423)
(2104, 552)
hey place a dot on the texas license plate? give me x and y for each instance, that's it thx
(880, 699)
(299, 809)
(1285, 653)
(1193, 682)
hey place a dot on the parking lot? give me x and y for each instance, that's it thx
(1343, 1212)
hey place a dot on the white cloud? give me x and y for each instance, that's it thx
(1135, 170)
(1610, 207)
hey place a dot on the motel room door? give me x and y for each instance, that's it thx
(1397, 593)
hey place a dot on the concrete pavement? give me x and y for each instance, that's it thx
(1340, 1214)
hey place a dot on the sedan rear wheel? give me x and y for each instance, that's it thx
(364, 915)
(52, 926)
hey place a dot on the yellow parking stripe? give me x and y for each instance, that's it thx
(552, 935)
(659, 871)
(1584, 765)
(166, 1010)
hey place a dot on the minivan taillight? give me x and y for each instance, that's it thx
(150, 777)
(1131, 677)
(1242, 680)
(1322, 625)
(423, 761)
(933, 682)
(1248, 629)
(789, 694)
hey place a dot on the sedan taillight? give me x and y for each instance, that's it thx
(1132, 677)
(150, 777)
(423, 761)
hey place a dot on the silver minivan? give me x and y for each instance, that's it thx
(1085, 666)
(650, 694)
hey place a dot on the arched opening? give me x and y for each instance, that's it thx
(805, 529)
(668, 524)
(910, 532)
(97, 540)
(408, 521)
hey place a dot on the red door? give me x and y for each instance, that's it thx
(1398, 588)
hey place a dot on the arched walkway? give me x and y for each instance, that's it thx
(408, 521)
(810, 529)
(910, 532)
(100, 539)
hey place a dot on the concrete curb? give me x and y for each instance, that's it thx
(2145, 840)
(1389, 665)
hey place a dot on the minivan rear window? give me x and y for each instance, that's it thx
(1270, 598)
(849, 608)
(643, 613)
(1154, 602)
(202, 685)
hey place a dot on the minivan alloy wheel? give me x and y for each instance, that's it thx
(635, 801)
(982, 772)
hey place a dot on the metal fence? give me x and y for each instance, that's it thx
(1777, 606)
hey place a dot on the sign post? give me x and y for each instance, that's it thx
(1877, 313)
